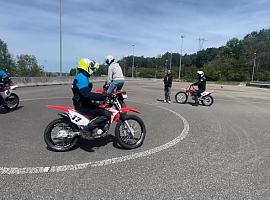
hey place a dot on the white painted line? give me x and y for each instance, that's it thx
(39, 170)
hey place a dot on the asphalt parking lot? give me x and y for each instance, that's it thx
(222, 151)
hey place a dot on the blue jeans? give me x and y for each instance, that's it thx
(115, 85)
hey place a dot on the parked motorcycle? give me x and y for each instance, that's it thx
(206, 98)
(11, 100)
(122, 95)
(64, 133)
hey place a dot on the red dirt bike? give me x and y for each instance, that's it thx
(206, 99)
(121, 95)
(64, 133)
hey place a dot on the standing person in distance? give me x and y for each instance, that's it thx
(116, 78)
(168, 86)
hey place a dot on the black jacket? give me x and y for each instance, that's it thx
(201, 83)
(168, 80)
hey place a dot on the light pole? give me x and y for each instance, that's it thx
(171, 61)
(180, 61)
(254, 64)
(60, 37)
(133, 60)
(156, 72)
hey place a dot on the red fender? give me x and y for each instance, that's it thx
(60, 108)
(100, 91)
(127, 109)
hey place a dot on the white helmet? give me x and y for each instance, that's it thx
(109, 59)
(200, 73)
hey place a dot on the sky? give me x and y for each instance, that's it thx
(96, 28)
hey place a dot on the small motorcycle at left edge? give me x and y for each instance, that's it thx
(11, 100)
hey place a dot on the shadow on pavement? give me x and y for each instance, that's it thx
(88, 145)
(5, 111)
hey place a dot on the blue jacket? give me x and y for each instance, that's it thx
(3, 75)
(82, 95)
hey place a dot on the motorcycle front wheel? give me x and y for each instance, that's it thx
(123, 132)
(12, 102)
(58, 135)
(181, 97)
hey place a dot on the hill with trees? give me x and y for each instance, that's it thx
(231, 62)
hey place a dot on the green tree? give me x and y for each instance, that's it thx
(73, 72)
(6, 61)
(27, 65)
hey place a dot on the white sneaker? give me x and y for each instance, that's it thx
(165, 101)
(169, 102)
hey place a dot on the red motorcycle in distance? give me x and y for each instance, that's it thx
(206, 99)
(64, 133)
(121, 95)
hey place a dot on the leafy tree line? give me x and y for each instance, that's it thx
(231, 62)
(23, 65)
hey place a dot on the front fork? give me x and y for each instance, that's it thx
(130, 129)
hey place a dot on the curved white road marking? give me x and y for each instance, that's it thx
(38, 170)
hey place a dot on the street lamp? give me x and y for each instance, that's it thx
(60, 37)
(171, 61)
(254, 64)
(180, 61)
(133, 59)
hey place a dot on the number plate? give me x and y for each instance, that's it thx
(125, 96)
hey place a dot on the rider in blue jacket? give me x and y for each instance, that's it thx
(84, 100)
(4, 79)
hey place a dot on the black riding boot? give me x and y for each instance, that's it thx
(196, 103)
(97, 122)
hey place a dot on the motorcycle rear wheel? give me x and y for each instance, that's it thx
(123, 136)
(207, 100)
(63, 144)
(12, 102)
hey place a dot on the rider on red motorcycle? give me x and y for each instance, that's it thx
(201, 83)
(84, 100)
(116, 78)
(4, 81)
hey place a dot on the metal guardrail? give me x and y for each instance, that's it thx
(260, 84)
(43, 81)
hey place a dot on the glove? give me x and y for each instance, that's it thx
(110, 96)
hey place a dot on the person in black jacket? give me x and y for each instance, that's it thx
(201, 83)
(168, 86)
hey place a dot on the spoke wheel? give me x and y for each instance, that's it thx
(12, 102)
(124, 135)
(59, 135)
(181, 97)
(207, 100)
